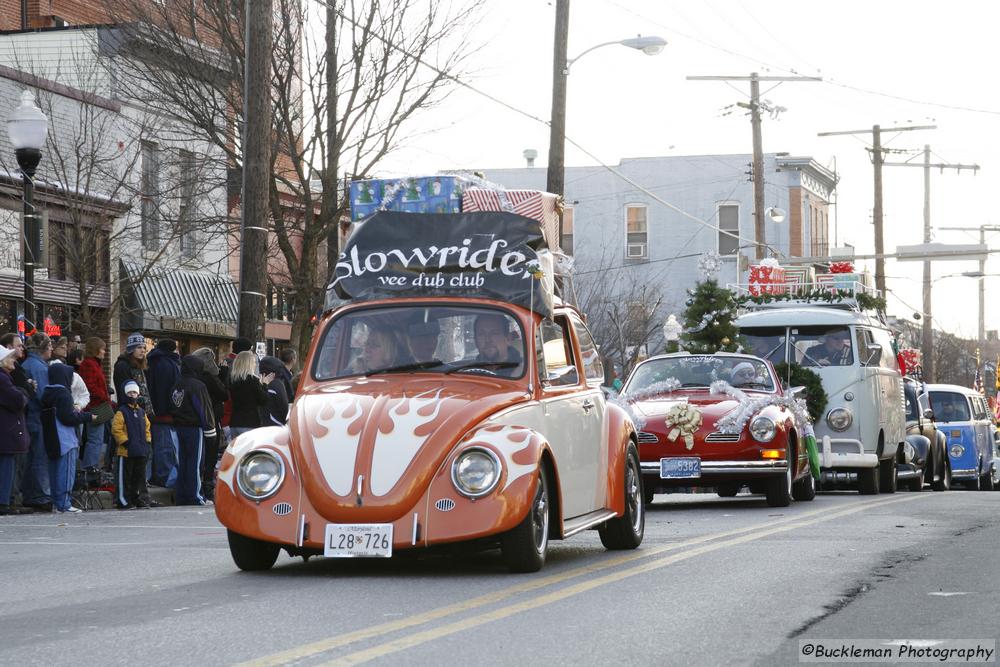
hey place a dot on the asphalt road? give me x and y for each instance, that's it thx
(716, 581)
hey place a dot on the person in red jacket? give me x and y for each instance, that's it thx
(92, 372)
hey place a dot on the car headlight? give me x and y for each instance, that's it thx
(956, 450)
(763, 429)
(840, 419)
(475, 472)
(260, 474)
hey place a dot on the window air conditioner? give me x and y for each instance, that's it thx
(635, 250)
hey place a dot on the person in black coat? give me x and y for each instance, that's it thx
(194, 422)
(13, 428)
(218, 393)
(277, 394)
(248, 394)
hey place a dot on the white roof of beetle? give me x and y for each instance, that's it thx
(806, 316)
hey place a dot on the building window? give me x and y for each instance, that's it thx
(186, 215)
(636, 232)
(78, 253)
(149, 194)
(567, 232)
(729, 221)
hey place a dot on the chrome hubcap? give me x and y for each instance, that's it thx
(633, 495)
(540, 516)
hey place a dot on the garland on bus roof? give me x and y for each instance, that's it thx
(865, 301)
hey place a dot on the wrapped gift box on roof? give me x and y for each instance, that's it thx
(799, 279)
(845, 282)
(535, 204)
(768, 277)
(414, 194)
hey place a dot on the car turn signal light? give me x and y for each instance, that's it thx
(772, 453)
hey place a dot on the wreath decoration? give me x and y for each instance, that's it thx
(815, 395)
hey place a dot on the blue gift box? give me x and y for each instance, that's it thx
(416, 194)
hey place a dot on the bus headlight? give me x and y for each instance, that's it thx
(840, 419)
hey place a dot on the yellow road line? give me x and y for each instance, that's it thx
(410, 641)
(323, 645)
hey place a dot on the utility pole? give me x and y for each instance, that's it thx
(555, 174)
(927, 327)
(878, 160)
(757, 164)
(256, 168)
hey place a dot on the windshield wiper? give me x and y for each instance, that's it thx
(694, 384)
(484, 365)
(419, 365)
(760, 385)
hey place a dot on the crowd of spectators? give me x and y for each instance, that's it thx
(162, 420)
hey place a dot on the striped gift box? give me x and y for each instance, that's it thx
(534, 204)
(799, 279)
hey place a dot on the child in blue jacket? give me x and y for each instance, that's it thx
(59, 421)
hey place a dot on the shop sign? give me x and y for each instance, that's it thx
(202, 327)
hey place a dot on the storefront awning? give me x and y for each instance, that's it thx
(192, 302)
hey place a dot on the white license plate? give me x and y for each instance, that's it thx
(680, 467)
(358, 540)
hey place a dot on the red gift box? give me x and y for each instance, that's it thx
(766, 279)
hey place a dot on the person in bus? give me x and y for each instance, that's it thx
(834, 349)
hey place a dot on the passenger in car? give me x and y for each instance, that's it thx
(422, 339)
(379, 351)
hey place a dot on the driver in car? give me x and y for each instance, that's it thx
(491, 334)
(834, 349)
(743, 373)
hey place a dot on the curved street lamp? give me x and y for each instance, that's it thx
(27, 128)
(555, 174)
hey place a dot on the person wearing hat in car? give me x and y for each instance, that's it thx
(743, 373)
(422, 339)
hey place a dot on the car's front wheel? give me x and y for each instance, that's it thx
(524, 547)
(887, 475)
(251, 554)
(943, 483)
(868, 481)
(779, 489)
(626, 531)
(805, 488)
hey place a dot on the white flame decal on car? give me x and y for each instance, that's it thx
(502, 442)
(337, 450)
(395, 450)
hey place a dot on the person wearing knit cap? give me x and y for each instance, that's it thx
(130, 430)
(163, 372)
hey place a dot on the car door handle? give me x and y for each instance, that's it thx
(588, 405)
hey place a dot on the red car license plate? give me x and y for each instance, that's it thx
(680, 467)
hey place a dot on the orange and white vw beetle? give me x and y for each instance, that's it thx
(439, 419)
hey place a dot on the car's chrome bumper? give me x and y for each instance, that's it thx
(845, 453)
(709, 468)
(965, 473)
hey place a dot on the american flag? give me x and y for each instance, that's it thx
(977, 383)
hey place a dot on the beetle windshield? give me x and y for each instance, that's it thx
(662, 376)
(949, 406)
(432, 339)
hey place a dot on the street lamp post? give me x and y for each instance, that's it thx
(555, 175)
(27, 128)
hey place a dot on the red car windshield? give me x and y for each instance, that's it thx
(699, 371)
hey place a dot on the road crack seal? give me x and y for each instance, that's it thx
(890, 567)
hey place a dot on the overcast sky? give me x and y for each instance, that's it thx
(887, 62)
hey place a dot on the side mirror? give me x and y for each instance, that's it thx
(874, 354)
(798, 391)
(928, 414)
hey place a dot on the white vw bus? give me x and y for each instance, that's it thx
(851, 350)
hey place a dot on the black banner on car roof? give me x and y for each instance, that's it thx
(493, 255)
